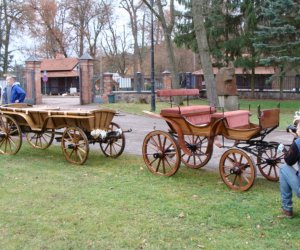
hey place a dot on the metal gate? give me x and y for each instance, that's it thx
(98, 88)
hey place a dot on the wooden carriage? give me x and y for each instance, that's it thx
(75, 129)
(191, 136)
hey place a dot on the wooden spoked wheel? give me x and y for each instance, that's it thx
(269, 161)
(161, 153)
(40, 139)
(75, 145)
(201, 148)
(10, 135)
(113, 146)
(237, 169)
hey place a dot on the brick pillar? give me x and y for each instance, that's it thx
(108, 83)
(33, 80)
(167, 80)
(86, 78)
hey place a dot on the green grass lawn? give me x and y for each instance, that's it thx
(47, 203)
(287, 108)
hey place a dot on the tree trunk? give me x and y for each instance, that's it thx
(172, 62)
(252, 81)
(281, 76)
(1, 33)
(197, 7)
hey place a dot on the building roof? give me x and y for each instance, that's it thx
(73, 73)
(59, 64)
(241, 71)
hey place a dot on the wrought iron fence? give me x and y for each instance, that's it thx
(269, 83)
(143, 82)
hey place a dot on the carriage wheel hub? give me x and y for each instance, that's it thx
(236, 170)
(192, 147)
(273, 161)
(72, 146)
(157, 155)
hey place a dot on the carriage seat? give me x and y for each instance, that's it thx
(197, 115)
(235, 119)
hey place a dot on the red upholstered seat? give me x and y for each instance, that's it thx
(235, 119)
(188, 110)
(200, 114)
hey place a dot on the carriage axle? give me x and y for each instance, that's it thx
(158, 155)
(272, 161)
(236, 171)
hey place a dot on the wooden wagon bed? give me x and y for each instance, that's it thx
(41, 124)
(45, 117)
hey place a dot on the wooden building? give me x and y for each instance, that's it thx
(60, 75)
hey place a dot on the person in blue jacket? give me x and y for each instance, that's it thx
(13, 92)
(290, 178)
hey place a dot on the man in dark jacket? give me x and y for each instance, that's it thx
(290, 178)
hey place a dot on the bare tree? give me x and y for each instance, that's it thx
(10, 15)
(167, 22)
(88, 18)
(47, 19)
(132, 10)
(98, 24)
(1, 32)
(115, 49)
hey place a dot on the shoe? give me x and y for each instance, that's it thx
(287, 214)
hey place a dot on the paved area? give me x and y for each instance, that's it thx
(141, 125)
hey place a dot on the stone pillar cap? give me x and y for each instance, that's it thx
(32, 58)
(86, 56)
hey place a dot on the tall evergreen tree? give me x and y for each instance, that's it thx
(249, 58)
(278, 36)
(223, 21)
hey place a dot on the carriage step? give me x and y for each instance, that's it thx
(58, 139)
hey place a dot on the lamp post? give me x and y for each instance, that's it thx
(152, 62)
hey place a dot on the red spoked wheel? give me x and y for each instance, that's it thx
(269, 161)
(10, 135)
(201, 151)
(237, 169)
(161, 153)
